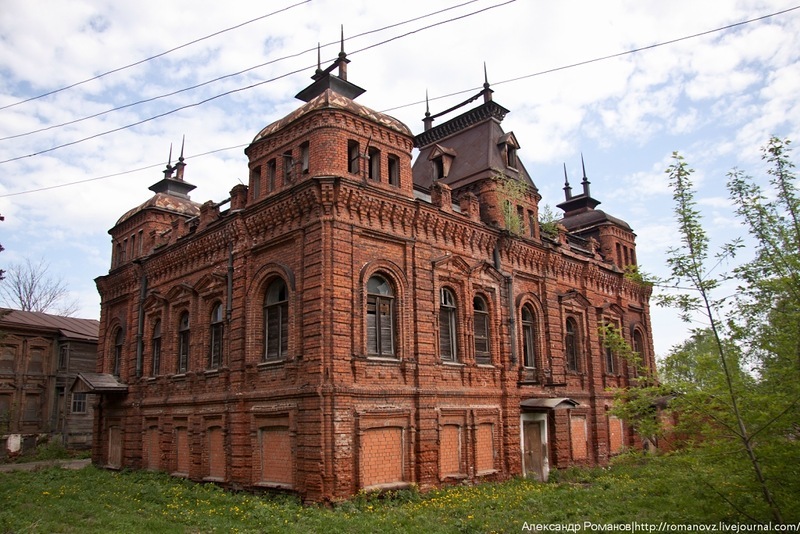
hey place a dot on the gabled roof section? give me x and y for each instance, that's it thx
(545, 404)
(98, 383)
(67, 327)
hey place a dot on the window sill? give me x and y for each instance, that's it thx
(383, 359)
(486, 473)
(389, 486)
(218, 480)
(270, 363)
(454, 476)
(449, 363)
(485, 365)
(178, 474)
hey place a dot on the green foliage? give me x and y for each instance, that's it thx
(737, 379)
(512, 192)
(676, 488)
(548, 222)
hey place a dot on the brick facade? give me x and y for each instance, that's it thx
(347, 321)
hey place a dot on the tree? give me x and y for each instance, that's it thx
(29, 287)
(720, 373)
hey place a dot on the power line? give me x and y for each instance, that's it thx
(208, 82)
(510, 80)
(118, 69)
(240, 89)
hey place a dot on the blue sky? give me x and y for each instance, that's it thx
(716, 98)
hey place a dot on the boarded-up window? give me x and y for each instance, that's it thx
(578, 436)
(182, 453)
(33, 408)
(614, 434)
(381, 459)
(275, 446)
(481, 323)
(484, 447)
(216, 453)
(36, 360)
(450, 450)
(8, 356)
(152, 449)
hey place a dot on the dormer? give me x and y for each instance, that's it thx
(508, 146)
(441, 159)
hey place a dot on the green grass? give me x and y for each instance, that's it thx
(645, 490)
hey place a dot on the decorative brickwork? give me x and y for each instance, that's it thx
(352, 322)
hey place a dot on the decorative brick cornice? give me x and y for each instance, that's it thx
(489, 110)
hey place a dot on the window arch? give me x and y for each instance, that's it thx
(276, 321)
(481, 329)
(571, 344)
(380, 317)
(638, 348)
(217, 331)
(183, 343)
(119, 341)
(448, 345)
(155, 345)
(529, 352)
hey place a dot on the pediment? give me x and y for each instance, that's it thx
(484, 268)
(609, 308)
(179, 291)
(452, 263)
(438, 151)
(575, 298)
(508, 139)
(154, 300)
(209, 283)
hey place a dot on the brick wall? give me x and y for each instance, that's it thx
(381, 456)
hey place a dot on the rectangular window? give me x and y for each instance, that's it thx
(271, 171)
(353, 156)
(183, 351)
(156, 356)
(63, 357)
(79, 403)
(288, 164)
(304, 156)
(8, 356)
(374, 164)
(36, 360)
(531, 223)
(394, 170)
(255, 182)
(216, 345)
(33, 409)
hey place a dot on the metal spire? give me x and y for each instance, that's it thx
(585, 181)
(170, 168)
(487, 93)
(427, 121)
(567, 188)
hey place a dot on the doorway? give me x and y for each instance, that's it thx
(535, 461)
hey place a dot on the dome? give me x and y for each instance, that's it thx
(165, 202)
(329, 99)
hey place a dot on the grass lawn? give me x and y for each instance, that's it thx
(634, 489)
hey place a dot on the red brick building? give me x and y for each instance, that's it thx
(349, 321)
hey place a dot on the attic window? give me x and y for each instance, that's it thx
(288, 162)
(438, 168)
(394, 169)
(511, 156)
(271, 170)
(255, 182)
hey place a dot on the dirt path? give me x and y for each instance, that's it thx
(33, 466)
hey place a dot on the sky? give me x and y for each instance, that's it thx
(622, 84)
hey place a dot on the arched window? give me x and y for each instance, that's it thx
(215, 356)
(528, 337)
(183, 343)
(448, 347)
(276, 321)
(638, 348)
(481, 325)
(155, 344)
(571, 343)
(119, 340)
(380, 317)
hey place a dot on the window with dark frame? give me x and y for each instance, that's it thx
(380, 318)
(217, 330)
(183, 343)
(638, 348)
(255, 182)
(288, 164)
(119, 339)
(276, 321)
(571, 344)
(610, 362)
(353, 157)
(272, 169)
(155, 344)
(78, 403)
(528, 338)
(448, 345)
(481, 326)
(63, 357)
(393, 163)
(304, 157)
(374, 164)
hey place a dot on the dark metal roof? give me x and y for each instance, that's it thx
(165, 202)
(98, 383)
(589, 218)
(68, 327)
(550, 403)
